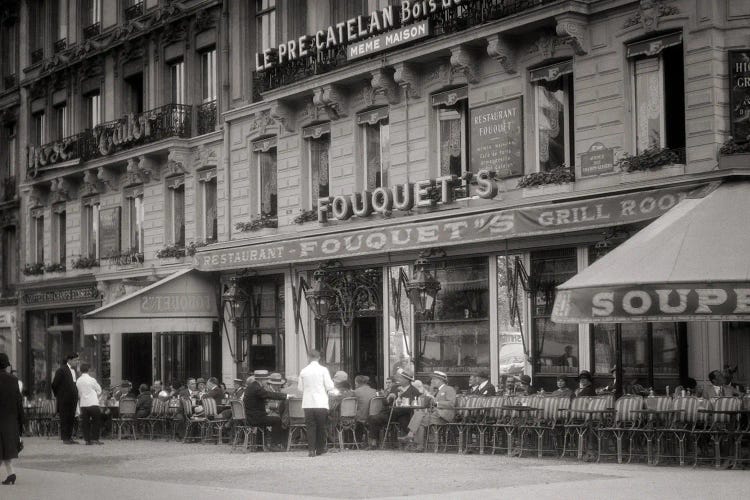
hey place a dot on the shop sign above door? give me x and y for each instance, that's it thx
(739, 93)
(489, 226)
(61, 295)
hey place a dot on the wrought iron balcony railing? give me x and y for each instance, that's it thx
(457, 18)
(172, 120)
(10, 81)
(37, 56)
(7, 188)
(206, 117)
(60, 45)
(92, 30)
(134, 11)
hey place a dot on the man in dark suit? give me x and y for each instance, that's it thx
(255, 399)
(66, 392)
(483, 385)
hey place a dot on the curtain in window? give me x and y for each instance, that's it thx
(319, 169)
(551, 124)
(649, 105)
(39, 226)
(268, 186)
(450, 143)
(372, 156)
(178, 209)
(210, 210)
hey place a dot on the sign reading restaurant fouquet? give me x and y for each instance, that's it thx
(176, 303)
(73, 294)
(364, 31)
(489, 226)
(109, 231)
(739, 93)
(654, 302)
(597, 160)
(497, 137)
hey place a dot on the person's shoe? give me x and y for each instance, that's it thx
(10, 479)
(310, 453)
(70, 441)
(321, 452)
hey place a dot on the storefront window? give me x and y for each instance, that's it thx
(185, 355)
(262, 327)
(605, 348)
(555, 345)
(400, 335)
(456, 339)
(511, 313)
(737, 350)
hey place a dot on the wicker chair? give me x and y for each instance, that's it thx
(347, 422)
(498, 420)
(192, 422)
(722, 427)
(576, 424)
(173, 417)
(377, 405)
(158, 410)
(249, 433)
(127, 419)
(625, 425)
(684, 422)
(214, 425)
(547, 422)
(296, 423)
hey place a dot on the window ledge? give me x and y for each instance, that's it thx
(646, 175)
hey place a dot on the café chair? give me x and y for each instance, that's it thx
(212, 428)
(547, 422)
(377, 405)
(347, 422)
(127, 419)
(626, 423)
(296, 424)
(249, 433)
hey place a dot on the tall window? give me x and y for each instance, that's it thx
(553, 94)
(207, 187)
(265, 153)
(94, 12)
(37, 29)
(62, 19)
(61, 121)
(134, 92)
(134, 196)
(177, 75)
(208, 75)
(451, 129)
(176, 209)
(91, 227)
(319, 144)
(375, 147)
(8, 151)
(59, 232)
(555, 345)
(9, 55)
(39, 128)
(9, 248)
(37, 235)
(658, 92)
(265, 24)
(261, 330)
(93, 109)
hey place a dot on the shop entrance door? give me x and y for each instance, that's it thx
(137, 358)
(368, 354)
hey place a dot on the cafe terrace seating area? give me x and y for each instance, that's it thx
(655, 430)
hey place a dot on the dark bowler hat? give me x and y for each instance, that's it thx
(525, 379)
(584, 374)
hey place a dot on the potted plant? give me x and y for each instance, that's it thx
(84, 263)
(258, 223)
(650, 163)
(556, 180)
(193, 246)
(36, 269)
(734, 154)
(54, 268)
(306, 216)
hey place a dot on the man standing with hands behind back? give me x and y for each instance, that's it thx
(66, 392)
(314, 383)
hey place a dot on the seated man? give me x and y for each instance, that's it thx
(156, 388)
(364, 393)
(256, 395)
(718, 387)
(143, 403)
(444, 401)
(403, 389)
(214, 390)
(483, 386)
(524, 387)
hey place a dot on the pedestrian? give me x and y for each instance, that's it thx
(88, 395)
(11, 418)
(315, 383)
(66, 392)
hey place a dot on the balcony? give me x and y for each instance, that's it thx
(10, 81)
(60, 45)
(92, 30)
(134, 11)
(172, 120)
(206, 117)
(37, 56)
(7, 189)
(467, 14)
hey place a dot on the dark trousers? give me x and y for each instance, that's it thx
(272, 421)
(91, 417)
(67, 418)
(316, 423)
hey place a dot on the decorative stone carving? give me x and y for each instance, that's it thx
(382, 83)
(546, 45)
(150, 168)
(176, 162)
(107, 177)
(140, 171)
(465, 61)
(174, 32)
(283, 115)
(648, 14)
(205, 20)
(206, 157)
(364, 97)
(261, 122)
(408, 77)
(59, 190)
(308, 113)
(91, 184)
(331, 99)
(500, 49)
(573, 29)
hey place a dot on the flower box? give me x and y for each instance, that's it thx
(736, 160)
(547, 189)
(657, 173)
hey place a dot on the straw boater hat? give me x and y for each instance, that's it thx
(403, 373)
(441, 375)
(340, 376)
(260, 374)
(276, 379)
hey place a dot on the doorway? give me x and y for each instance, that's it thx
(137, 358)
(368, 355)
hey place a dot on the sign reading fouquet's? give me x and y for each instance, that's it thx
(489, 226)
(359, 30)
(654, 302)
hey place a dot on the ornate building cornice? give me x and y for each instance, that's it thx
(332, 100)
(465, 61)
(408, 77)
(503, 51)
(383, 83)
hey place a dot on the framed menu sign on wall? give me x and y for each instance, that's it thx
(109, 232)
(497, 138)
(739, 93)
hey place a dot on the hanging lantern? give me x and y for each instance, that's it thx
(320, 297)
(236, 298)
(423, 288)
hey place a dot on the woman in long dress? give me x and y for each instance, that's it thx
(11, 417)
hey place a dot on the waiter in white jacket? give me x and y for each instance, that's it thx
(315, 383)
(88, 398)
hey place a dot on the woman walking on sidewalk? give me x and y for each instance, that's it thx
(11, 418)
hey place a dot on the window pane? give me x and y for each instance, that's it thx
(39, 240)
(372, 156)
(178, 215)
(400, 337)
(737, 350)
(551, 123)
(605, 348)
(666, 354)
(318, 169)
(450, 121)
(267, 163)
(209, 189)
(178, 83)
(208, 61)
(648, 103)
(61, 243)
(635, 354)
(511, 314)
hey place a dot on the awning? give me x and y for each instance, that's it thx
(690, 264)
(182, 302)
